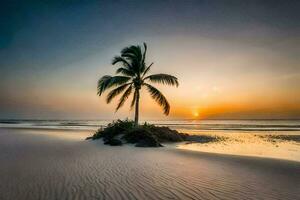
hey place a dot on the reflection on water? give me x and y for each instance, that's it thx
(191, 125)
(249, 143)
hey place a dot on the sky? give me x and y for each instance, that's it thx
(233, 59)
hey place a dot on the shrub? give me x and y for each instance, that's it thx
(165, 134)
(113, 129)
(142, 135)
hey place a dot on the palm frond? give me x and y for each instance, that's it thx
(143, 64)
(134, 54)
(124, 71)
(132, 50)
(130, 56)
(107, 82)
(124, 97)
(164, 79)
(147, 70)
(159, 98)
(145, 51)
(119, 80)
(115, 92)
(103, 84)
(123, 61)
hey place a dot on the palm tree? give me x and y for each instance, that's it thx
(133, 76)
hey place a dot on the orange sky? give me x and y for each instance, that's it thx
(231, 63)
(218, 79)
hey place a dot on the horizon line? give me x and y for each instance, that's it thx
(66, 119)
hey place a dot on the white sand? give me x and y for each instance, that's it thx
(41, 164)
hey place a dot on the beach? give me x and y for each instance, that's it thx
(61, 164)
(150, 100)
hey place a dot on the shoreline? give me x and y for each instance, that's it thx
(237, 156)
(218, 147)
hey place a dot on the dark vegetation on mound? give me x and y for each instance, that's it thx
(146, 135)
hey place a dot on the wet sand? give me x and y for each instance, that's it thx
(258, 144)
(44, 164)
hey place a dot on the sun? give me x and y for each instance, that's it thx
(196, 114)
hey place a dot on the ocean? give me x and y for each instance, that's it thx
(182, 125)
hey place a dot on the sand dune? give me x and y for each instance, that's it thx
(38, 164)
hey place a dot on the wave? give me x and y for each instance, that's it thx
(204, 125)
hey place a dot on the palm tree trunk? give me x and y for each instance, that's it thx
(136, 117)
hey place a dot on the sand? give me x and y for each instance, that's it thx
(258, 144)
(44, 164)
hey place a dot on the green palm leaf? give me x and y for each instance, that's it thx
(124, 97)
(134, 55)
(123, 61)
(143, 65)
(164, 79)
(124, 71)
(103, 84)
(147, 70)
(159, 98)
(115, 92)
(107, 82)
(132, 51)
